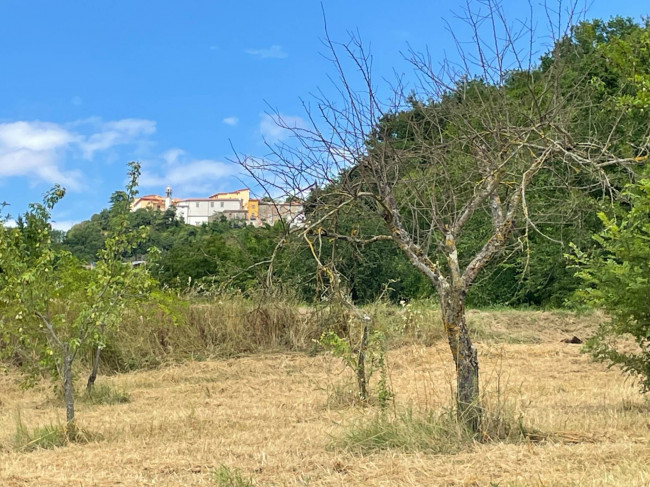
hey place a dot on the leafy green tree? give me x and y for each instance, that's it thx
(616, 278)
(85, 239)
(51, 307)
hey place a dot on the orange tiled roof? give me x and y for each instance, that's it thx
(216, 195)
(210, 199)
(150, 197)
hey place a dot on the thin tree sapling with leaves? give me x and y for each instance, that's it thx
(51, 307)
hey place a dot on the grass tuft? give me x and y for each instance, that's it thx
(406, 432)
(105, 394)
(436, 432)
(227, 477)
(343, 395)
(49, 436)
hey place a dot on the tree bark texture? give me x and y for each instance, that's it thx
(93, 373)
(362, 380)
(68, 388)
(465, 358)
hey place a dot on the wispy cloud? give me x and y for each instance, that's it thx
(277, 127)
(186, 175)
(63, 225)
(117, 133)
(172, 156)
(273, 52)
(35, 150)
(39, 150)
(232, 121)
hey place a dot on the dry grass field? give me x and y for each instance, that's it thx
(275, 418)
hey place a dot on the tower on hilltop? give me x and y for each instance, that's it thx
(168, 197)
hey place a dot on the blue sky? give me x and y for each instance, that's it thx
(88, 86)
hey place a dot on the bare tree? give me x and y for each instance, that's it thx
(453, 157)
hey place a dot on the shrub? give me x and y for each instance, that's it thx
(616, 277)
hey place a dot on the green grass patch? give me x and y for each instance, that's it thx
(231, 477)
(105, 394)
(49, 436)
(435, 432)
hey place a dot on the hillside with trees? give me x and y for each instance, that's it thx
(459, 236)
(604, 65)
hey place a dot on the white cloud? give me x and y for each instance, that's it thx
(172, 156)
(277, 127)
(117, 133)
(194, 176)
(35, 149)
(35, 136)
(232, 121)
(64, 225)
(39, 150)
(273, 52)
(76, 101)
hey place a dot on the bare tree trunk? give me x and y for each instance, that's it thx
(65, 372)
(93, 373)
(452, 304)
(68, 390)
(362, 380)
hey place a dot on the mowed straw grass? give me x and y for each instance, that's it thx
(267, 416)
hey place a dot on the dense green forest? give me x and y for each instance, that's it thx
(609, 60)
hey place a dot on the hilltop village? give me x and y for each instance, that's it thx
(234, 205)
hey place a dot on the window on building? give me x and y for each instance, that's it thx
(222, 204)
(197, 204)
(211, 204)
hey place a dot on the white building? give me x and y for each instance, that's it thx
(197, 211)
(233, 205)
